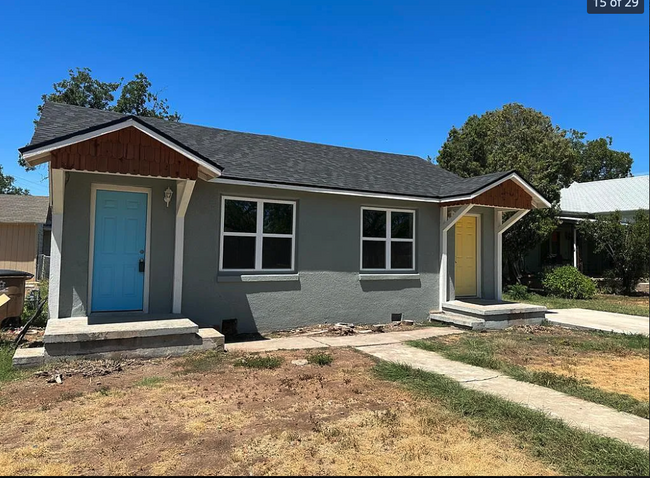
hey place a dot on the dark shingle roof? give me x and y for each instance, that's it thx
(261, 158)
(24, 209)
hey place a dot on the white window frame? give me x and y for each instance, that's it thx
(388, 239)
(259, 234)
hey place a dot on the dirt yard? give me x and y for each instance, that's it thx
(206, 416)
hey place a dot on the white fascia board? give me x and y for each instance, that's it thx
(243, 182)
(537, 198)
(33, 155)
(309, 189)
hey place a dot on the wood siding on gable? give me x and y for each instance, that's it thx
(507, 194)
(127, 151)
(18, 246)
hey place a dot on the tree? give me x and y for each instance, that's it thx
(135, 96)
(7, 185)
(597, 161)
(520, 138)
(547, 156)
(81, 89)
(626, 243)
(137, 99)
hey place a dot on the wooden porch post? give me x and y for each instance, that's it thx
(575, 246)
(183, 194)
(58, 196)
(500, 228)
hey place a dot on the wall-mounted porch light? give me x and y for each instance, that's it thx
(168, 195)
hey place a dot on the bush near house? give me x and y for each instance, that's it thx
(569, 283)
(518, 292)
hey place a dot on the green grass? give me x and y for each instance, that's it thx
(202, 362)
(481, 351)
(570, 451)
(151, 382)
(259, 361)
(606, 303)
(320, 358)
(7, 372)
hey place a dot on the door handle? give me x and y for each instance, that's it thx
(141, 265)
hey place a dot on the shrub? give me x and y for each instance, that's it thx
(518, 292)
(569, 283)
(320, 359)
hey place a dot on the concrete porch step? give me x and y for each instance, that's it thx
(461, 321)
(119, 337)
(85, 329)
(493, 314)
(492, 310)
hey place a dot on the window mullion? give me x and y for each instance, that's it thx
(389, 234)
(259, 235)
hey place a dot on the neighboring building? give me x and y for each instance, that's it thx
(24, 232)
(583, 201)
(161, 217)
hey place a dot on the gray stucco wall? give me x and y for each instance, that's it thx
(75, 247)
(329, 287)
(327, 259)
(488, 244)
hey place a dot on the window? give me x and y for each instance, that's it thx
(257, 235)
(387, 239)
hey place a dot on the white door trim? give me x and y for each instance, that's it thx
(479, 290)
(446, 224)
(94, 187)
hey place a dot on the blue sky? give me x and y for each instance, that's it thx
(388, 76)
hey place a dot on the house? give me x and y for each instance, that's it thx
(256, 233)
(584, 201)
(24, 233)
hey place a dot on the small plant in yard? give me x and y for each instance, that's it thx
(320, 359)
(518, 292)
(569, 283)
(202, 362)
(259, 361)
(150, 382)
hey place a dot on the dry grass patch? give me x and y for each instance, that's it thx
(403, 441)
(226, 419)
(627, 375)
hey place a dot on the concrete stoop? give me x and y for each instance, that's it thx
(488, 315)
(84, 338)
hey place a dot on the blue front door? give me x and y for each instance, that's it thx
(120, 242)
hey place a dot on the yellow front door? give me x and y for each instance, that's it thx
(466, 257)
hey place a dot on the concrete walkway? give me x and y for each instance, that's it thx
(574, 411)
(356, 340)
(596, 320)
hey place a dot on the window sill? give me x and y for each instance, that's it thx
(389, 276)
(260, 278)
